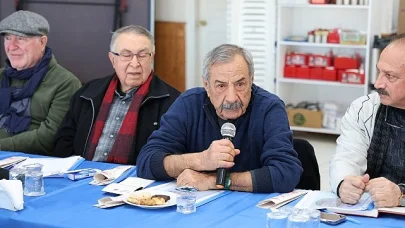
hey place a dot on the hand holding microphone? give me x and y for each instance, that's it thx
(228, 131)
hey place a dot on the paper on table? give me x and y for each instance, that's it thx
(281, 200)
(129, 185)
(107, 176)
(393, 210)
(11, 195)
(53, 166)
(11, 161)
(202, 197)
(328, 200)
(107, 202)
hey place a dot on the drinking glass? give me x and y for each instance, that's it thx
(34, 180)
(186, 201)
(298, 219)
(17, 173)
(277, 218)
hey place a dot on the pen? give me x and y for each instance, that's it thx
(355, 221)
(140, 188)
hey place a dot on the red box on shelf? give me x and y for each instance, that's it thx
(352, 77)
(319, 60)
(340, 75)
(302, 72)
(346, 62)
(289, 71)
(333, 37)
(329, 74)
(297, 59)
(319, 1)
(316, 73)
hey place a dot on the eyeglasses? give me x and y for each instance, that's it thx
(388, 122)
(128, 56)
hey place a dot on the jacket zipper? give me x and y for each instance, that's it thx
(91, 125)
(151, 97)
(92, 118)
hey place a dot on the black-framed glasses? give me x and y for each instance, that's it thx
(128, 56)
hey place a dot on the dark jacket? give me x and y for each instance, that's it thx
(49, 105)
(262, 135)
(73, 135)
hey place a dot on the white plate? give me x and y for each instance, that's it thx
(169, 203)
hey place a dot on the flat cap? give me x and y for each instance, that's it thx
(24, 23)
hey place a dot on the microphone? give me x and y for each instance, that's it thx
(228, 131)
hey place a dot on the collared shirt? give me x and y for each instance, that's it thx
(118, 111)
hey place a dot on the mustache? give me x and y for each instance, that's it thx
(231, 106)
(383, 92)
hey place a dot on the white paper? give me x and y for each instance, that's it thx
(393, 210)
(129, 185)
(201, 196)
(11, 195)
(330, 201)
(11, 161)
(280, 200)
(108, 176)
(53, 166)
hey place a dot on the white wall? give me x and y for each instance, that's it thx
(395, 15)
(171, 10)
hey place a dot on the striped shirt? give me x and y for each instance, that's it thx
(118, 110)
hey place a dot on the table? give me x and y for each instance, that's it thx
(69, 204)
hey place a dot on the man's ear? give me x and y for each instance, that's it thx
(43, 40)
(206, 85)
(111, 56)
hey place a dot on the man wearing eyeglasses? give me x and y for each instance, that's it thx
(35, 90)
(370, 153)
(111, 118)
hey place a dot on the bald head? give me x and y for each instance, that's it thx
(398, 41)
(390, 83)
(397, 46)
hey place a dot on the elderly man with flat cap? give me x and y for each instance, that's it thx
(35, 90)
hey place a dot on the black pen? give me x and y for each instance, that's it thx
(140, 188)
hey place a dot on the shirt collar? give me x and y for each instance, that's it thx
(127, 95)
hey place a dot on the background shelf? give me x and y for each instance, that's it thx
(319, 82)
(316, 130)
(306, 44)
(326, 6)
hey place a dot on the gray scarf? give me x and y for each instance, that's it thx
(386, 154)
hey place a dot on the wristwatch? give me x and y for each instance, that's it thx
(228, 181)
(402, 198)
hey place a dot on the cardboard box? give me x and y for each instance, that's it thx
(304, 118)
(401, 17)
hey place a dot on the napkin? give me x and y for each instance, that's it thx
(107, 202)
(11, 195)
(108, 176)
(280, 200)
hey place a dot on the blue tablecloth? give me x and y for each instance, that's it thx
(70, 204)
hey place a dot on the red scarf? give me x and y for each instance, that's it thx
(122, 147)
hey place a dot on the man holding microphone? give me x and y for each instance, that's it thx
(189, 146)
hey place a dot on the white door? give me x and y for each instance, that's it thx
(211, 30)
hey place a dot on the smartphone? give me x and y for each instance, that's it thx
(332, 219)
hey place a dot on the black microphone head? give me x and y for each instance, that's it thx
(228, 129)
